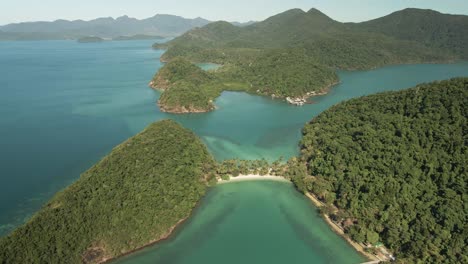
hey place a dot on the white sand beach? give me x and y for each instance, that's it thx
(253, 177)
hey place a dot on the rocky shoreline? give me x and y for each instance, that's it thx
(149, 244)
(182, 109)
(300, 101)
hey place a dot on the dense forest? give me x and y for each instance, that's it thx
(133, 196)
(393, 168)
(295, 53)
(187, 88)
(90, 39)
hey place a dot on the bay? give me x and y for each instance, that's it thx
(251, 222)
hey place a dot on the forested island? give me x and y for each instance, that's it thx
(187, 88)
(392, 168)
(294, 55)
(132, 197)
(90, 39)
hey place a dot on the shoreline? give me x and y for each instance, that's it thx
(318, 204)
(302, 100)
(250, 177)
(172, 229)
(166, 236)
(153, 242)
(340, 231)
(183, 110)
(254, 177)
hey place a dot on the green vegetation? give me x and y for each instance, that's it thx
(394, 165)
(179, 70)
(90, 39)
(132, 197)
(236, 167)
(295, 53)
(426, 26)
(185, 97)
(278, 73)
(187, 88)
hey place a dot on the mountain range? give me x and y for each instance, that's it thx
(313, 29)
(108, 27)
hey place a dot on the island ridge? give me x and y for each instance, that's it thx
(294, 55)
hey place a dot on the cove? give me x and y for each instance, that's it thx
(64, 105)
(251, 222)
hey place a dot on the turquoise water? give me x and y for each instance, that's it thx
(251, 222)
(65, 105)
(209, 66)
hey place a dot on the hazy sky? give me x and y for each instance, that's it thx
(233, 10)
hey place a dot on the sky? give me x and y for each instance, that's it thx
(12, 11)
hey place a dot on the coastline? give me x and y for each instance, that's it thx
(182, 110)
(153, 242)
(251, 177)
(172, 229)
(302, 100)
(316, 203)
(166, 236)
(340, 231)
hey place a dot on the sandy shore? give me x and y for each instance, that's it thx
(254, 177)
(315, 201)
(337, 229)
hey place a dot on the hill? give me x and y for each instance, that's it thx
(425, 26)
(185, 88)
(314, 38)
(90, 39)
(132, 197)
(392, 167)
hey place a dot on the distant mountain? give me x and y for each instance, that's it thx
(407, 36)
(426, 26)
(243, 24)
(123, 27)
(158, 25)
(90, 40)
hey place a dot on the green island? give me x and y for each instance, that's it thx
(294, 55)
(90, 39)
(389, 168)
(133, 197)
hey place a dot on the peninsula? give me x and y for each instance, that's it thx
(294, 55)
(391, 169)
(132, 197)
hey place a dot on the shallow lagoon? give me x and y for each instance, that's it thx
(251, 222)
